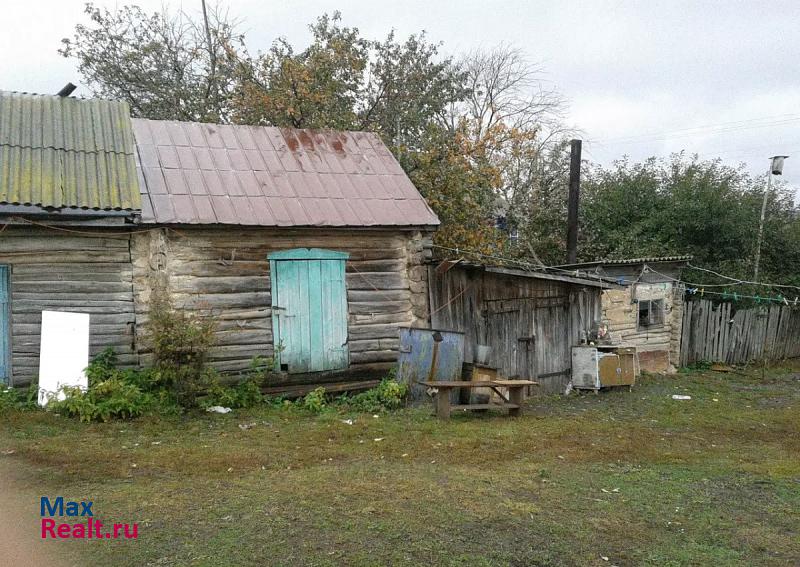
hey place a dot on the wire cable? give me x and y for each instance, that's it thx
(594, 275)
(693, 132)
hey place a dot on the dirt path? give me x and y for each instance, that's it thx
(20, 541)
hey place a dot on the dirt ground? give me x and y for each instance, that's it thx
(20, 542)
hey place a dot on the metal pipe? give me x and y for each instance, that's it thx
(573, 201)
(67, 90)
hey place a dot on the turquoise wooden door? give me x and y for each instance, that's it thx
(5, 315)
(309, 310)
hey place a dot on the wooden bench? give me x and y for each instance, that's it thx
(513, 403)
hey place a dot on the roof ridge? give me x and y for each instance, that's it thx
(70, 97)
(251, 125)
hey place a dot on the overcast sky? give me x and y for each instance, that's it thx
(721, 78)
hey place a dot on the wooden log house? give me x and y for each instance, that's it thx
(312, 240)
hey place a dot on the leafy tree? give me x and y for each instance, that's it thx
(683, 205)
(780, 250)
(344, 81)
(537, 209)
(165, 66)
(515, 127)
(409, 89)
(458, 190)
(319, 87)
(620, 210)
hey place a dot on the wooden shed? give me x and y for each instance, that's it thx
(647, 311)
(311, 240)
(529, 320)
(69, 199)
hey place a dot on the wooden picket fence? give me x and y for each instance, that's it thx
(720, 333)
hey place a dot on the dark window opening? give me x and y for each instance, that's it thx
(651, 313)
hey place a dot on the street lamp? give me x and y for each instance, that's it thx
(775, 168)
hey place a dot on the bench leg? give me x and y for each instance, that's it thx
(443, 404)
(516, 396)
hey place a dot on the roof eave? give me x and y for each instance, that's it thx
(404, 228)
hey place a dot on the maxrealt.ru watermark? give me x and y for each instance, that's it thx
(90, 529)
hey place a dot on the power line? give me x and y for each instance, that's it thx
(738, 281)
(704, 133)
(721, 127)
(717, 125)
(594, 275)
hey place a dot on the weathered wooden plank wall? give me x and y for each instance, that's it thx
(222, 273)
(225, 274)
(501, 311)
(58, 271)
(718, 333)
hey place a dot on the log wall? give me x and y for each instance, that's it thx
(221, 273)
(658, 347)
(224, 274)
(61, 271)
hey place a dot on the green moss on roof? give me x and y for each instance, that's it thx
(64, 152)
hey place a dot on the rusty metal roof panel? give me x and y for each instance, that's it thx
(253, 175)
(67, 153)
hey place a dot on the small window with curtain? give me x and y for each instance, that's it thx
(651, 313)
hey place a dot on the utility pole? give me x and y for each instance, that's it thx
(212, 61)
(775, 168)
(573, 201)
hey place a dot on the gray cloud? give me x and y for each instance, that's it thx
(628, 68)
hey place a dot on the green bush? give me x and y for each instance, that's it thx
(180, 343)
(102, 401)
(388, 395)
(19, 398)
(102, 366)
(113, 393)
(244, 393)
(314, 401)
(116, 393)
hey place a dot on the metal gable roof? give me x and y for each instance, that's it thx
(200, 173)
(62, 152)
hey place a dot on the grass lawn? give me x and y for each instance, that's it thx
(621, 478)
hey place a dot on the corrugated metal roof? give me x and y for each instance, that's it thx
(64, 152)
(629, 261)
(253, 175)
